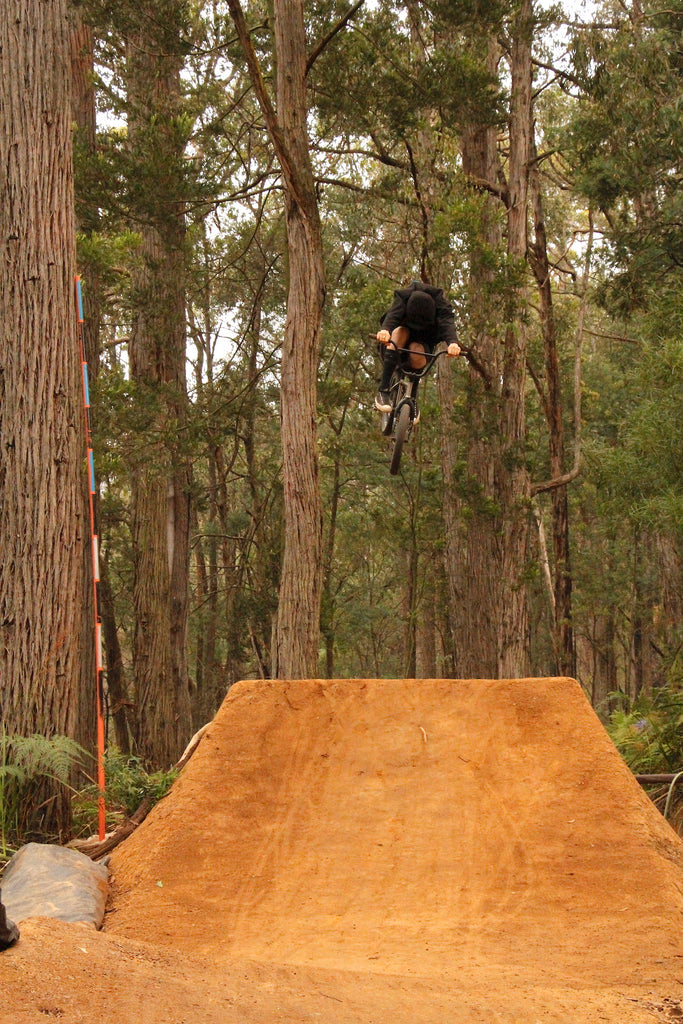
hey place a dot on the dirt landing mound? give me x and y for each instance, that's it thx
(411, 852)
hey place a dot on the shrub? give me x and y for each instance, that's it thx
(27, 764)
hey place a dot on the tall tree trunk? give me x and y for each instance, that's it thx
(603, 672)
(300, 584)
(116, 684)
(511, 472)
(160, 480)
(88, 218)
(553, 408)
(44, 523)
(669, 557)
(88, 221)
(477, 616)
(328, 602)
(298, 621)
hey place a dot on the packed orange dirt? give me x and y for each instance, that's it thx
(384, 852)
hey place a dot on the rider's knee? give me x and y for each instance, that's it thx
(418, 360)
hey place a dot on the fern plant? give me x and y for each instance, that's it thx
(26, 764)
(648, 731)
(127, 783)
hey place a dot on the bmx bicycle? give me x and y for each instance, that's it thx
(399, 423)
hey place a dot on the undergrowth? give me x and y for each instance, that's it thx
(648, 733)
(127, 783)
(27, 764)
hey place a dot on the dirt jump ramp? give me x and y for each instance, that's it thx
(473, 836)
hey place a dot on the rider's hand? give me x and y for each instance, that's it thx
(453, 350)
(383, 337)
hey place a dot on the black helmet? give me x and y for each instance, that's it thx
(420, 311)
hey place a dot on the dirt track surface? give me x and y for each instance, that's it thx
(399, 851)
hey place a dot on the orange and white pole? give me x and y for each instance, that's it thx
(95, 572)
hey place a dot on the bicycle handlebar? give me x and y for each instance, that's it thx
(431, 357)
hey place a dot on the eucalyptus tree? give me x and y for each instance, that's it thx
(44, 537)
(298, 623)
(160, 477)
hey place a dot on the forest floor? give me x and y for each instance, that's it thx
(384, 852)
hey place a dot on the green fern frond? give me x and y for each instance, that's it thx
(25, 762)
(12, 771)
(52, 757)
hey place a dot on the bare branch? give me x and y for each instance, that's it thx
(567, 478)
(287, 164)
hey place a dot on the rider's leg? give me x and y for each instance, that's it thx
(417, 359)
(392, 355)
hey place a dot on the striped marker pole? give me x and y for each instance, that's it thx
(95, 571)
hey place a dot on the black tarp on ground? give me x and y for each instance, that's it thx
(9, 933)
(53, 881)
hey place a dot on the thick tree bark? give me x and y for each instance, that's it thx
(160, 478)
(298, 620)
(84, 116)
(44, 523)
(300, 584)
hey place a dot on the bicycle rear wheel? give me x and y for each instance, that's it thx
(400, 434)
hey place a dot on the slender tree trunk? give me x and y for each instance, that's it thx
(88, 218)
(328, 603)
(604, 669)
(512, 475)
(44, 523)
(553, 408)
(478, 614)
(298, 621)
(426, 636)
(161, 477)
(116, 683)
(669, 558)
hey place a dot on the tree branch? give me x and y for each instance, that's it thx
(267, 109)
(331, 34)
(566, 478)
(482, 185)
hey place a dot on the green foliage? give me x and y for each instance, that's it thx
(127, 783)
(626, 142)
(648, 731)
(26, 764)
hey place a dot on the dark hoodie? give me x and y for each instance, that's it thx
(442, 329)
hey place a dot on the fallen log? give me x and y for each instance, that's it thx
(662, 779)
(97, 848)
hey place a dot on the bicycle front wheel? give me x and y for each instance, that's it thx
(402, 425)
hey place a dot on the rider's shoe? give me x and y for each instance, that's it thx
(383, 401)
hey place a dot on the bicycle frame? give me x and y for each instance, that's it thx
(403, 386)
(400, 421)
